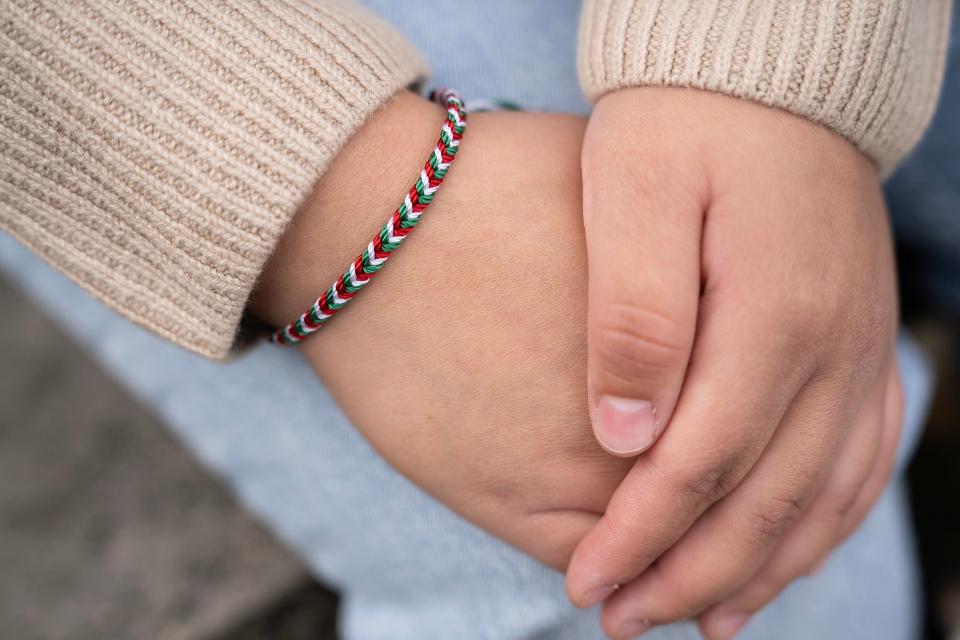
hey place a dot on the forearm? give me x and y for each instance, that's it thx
(155, 152)
(870, 70)
(463, 362)
(348, 204)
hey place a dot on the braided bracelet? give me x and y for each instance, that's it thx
(391, 235)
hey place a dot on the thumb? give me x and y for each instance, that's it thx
(643, 248)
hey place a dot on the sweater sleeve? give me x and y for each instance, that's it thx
(869, 70)
(154, 150)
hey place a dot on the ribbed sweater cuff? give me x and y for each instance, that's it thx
(155, 150)
(868, 69)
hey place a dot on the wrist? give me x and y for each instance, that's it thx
(347, 205)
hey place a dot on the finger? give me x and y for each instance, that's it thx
(642, 217)
(731, 541)
(817, 532)
(717, 433)
(880, 478)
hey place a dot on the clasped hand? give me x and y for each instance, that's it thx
(724, 283)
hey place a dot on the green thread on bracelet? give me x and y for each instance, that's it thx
(392, 233)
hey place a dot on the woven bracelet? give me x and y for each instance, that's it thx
(391, 235)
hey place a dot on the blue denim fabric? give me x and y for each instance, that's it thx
(406, 566)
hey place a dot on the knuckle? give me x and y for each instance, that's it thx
(686, 600)
(865, 339)
(839, 502)
(623, 552)
(854, 329)
(639, 342)
(767, 587)
(705, 483)
(687, 605)
(810, 322)
(806, 302)
(774, 519)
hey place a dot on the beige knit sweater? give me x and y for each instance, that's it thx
(154, 150)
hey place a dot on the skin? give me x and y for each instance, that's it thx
(764, 288)
(479, 358)
(758, 319)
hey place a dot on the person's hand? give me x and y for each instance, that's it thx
(741, 319)
(463, 362)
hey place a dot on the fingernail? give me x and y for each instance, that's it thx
(729, 625)
(632, 629)
(595, 596)
(625, 426)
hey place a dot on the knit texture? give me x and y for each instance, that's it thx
(869, 70)
(154, 150)
(394, 231)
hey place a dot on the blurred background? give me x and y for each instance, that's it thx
(109, 528)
